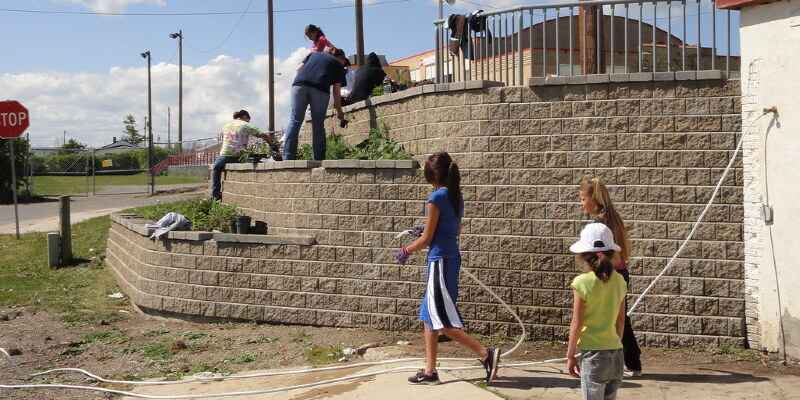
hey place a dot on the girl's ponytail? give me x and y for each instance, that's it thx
(454, 187)
(601, 263)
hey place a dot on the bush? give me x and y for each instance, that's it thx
(21, 146)
(205, 214)
(378, 146)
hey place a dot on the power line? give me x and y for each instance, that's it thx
(229, 33)
(111, 14)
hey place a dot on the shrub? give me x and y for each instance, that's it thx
(378, 146)
(205, 214)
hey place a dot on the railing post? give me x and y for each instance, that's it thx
(520, 56)
(438, 52)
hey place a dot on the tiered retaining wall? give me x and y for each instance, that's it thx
(661, 142)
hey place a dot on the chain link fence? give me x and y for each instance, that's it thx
(83, 172)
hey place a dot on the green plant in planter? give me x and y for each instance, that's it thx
(378, 146)
(260, 150)
(204, 213)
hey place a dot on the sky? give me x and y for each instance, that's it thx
(80, 72)
(76, 64)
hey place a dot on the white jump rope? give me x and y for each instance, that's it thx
(207, 376)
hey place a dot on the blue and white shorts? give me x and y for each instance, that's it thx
(439, 304)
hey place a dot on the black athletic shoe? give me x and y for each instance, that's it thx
(491, 363)
(443, 338)
(421, 378)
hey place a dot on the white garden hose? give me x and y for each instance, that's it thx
(209, 377)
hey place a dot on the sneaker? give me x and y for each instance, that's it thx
(491, 363)
(443, 338)
(633, 374)
(421, 378)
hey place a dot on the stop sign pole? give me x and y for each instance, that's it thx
(13, 122)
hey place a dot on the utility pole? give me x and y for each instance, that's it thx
(179, 36)
(169, 122)
(590, 25)
(359, 33)
(64, 138)
(149, 123)
(271, 53)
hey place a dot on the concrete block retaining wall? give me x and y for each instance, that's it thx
(660, 144)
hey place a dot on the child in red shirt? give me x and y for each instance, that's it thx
(316, 35)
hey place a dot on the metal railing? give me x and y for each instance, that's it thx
(591, 37)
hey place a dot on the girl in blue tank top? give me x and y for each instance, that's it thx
(443, 213)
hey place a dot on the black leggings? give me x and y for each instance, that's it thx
(629, 345)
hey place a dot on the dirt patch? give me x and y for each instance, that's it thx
(138, 347)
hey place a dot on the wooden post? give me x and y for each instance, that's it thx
(590, 33)
(359, 34)
(14, 182)
(65, 229)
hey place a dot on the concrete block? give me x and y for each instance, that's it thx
(710, 74)
(685, 75)
(429, 88)
(378, 100)
(384, 163)
(458, 86)
(191, 235)
(641, 76)
(366, 163)
(284, 164)
(265, 239)
(442, 87)
(619, 77)
(555, 80)
(413, 91)
(597, 78)
(406, 164)
(576, 80)
(536, 81)
(307, 164)
(664, 76)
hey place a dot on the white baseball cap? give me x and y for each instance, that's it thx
(595, 237)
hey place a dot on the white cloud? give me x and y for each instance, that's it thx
(92, 106)
(111, 6)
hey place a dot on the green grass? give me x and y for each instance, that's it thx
(262, 339)
(242, 358)
(79, 290)
(49, 185)
(496, 392)
(112, 336)
(320, 355)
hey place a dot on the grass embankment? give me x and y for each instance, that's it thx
(51, 185)
(78, 291)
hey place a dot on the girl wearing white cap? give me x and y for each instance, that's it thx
(597, 202)
(594, 352)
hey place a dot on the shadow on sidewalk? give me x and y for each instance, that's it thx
(561, 380)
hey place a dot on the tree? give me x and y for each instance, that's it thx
(132, 134)
(72, 146)
(21, 148)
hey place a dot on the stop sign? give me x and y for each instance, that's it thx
(13, 119)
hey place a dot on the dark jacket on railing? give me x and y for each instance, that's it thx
(459, 34)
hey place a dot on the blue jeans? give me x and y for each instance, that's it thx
(216, 173)
(601, 374)
(302, 97)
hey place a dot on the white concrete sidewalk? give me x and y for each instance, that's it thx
(391, 386)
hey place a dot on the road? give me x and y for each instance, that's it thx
(43, 217)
